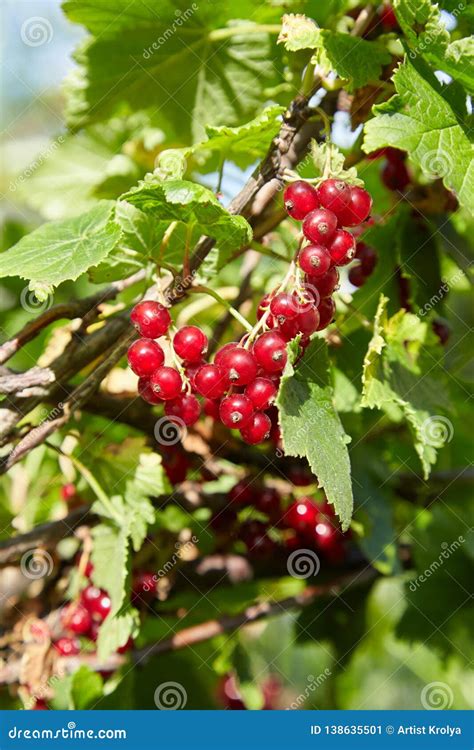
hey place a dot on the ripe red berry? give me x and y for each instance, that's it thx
(68, 491)
(144, 585)
(67, 646)
(300, 476)
(263, 306)
(326, 284)
(226, 348)
(211, 381)
(270, 352)
(97, 602)
(269, 502)
(235, 411)
(367, 257)
(288, 329)
(211, 408)
(357, 277)
(244, 492)
(326, 310)
(40, 705)
(388, 18)
(308, 321)
(176, 465)
(147, 393)
(261, 392)
(319, 226)
(151, 319)
(334, 195)
(239, 365)
(185, 407)
(395, 175)
(76, 618)
(253, 534)
(300, 198)
(358, 209)
(145, 356)
(302, 515)
(328, 540)
(258, 429)
(442, 330)
(283, 307)
(314, 260)
(166, 382)
(342, 248)
(190, 343)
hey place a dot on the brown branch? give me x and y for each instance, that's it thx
(204, 631)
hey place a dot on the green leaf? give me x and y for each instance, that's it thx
(116, 630)
(355, 60)
(421, 120)
(400, 371)
(110, 557)
(63, 250)
(86, 688)
(427, 36)
(192, 205)
(311, 427)
(328, 159)
(188, 60)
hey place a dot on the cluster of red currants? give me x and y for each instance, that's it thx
(302, 524)
(324, 212)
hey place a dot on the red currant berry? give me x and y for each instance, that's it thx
(89, 596)
(302, 515)
(76, 618)
(93, 632)
(147, 393)
(239, 366)
(319, 226)
(145, 356)
(388, 18)
(144, 586)
(151, 319)
(211, 408)
(270, 352)
(68, 492)
(300, 198)
(314, 260)
(258, 429)
(282, 307)
(367, 257)
(191, 369)
(254, 536)
(342, 248)
(261, 392)
(329, 540)
(395, 154)
(326, 310)
(288, 329)
(358, 209)
(166, 383)
(40, 705)
(97, 602)
(308, 321)
(229, 695)
(211, 381)
(185, 407)
(190, 343)
(300, 476)
(176, 466)
(244, 492)
(235, 411)
(442, 330)
(357, 277)
(67, 646)
(263, 306)
(395, 175)
(326, 284)
(269, 502)
(334, 195)
(223, 350)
